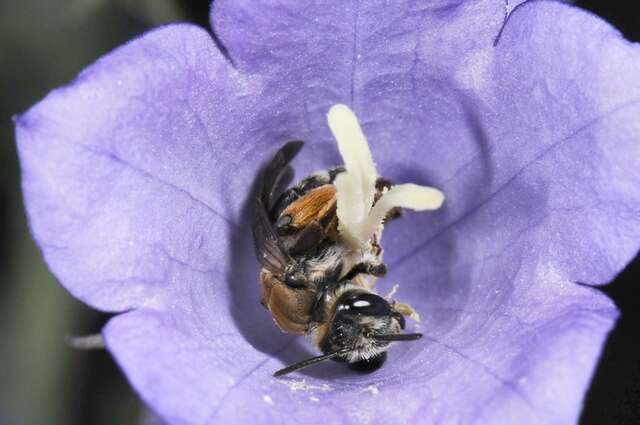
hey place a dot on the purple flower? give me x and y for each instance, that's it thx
(137, 179)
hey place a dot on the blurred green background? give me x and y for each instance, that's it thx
(44, 44)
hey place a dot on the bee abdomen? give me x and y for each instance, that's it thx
(290, 308)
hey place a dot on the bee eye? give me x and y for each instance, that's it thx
(368, 305)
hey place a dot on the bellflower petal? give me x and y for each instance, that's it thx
(115, 199)
(137, 176)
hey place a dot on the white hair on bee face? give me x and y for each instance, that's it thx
(358, 218)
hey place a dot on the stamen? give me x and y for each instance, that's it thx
(354, 150)
(350, 209)
(356, 186)
(358, 219)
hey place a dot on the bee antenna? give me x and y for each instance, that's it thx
(397, 337)
(305, 363)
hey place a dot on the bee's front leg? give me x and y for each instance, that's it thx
(383, 185)
(366, 267)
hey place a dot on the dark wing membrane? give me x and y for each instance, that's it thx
(279, 186)
(269, 250)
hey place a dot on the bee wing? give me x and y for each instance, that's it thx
(268, 248)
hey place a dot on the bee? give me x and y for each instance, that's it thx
(318, 244)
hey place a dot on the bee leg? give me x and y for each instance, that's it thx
(295, 281)
(317, 311)
(394, 213)
(333, 172)
(366, 267)
(294, 278)
(366, 283)
(383, 184)
(377, 270)
(309, 238)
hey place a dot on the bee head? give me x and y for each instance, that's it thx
(362, 327)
